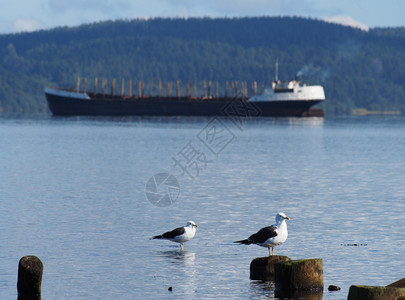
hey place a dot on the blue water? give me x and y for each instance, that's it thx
(73, 193)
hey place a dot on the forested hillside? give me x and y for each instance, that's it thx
(358, 69)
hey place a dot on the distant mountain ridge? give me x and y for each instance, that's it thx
(358, 69)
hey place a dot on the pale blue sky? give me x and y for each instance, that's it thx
(29, 15)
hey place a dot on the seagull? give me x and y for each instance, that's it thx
(270, 236)
(180, 235)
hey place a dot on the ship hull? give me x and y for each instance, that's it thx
(69, 105)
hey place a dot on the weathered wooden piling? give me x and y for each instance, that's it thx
(30, 270)
(359, 292)
(398, 284)
(299, 275)
(262, 268)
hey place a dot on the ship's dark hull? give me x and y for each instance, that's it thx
(161, 106)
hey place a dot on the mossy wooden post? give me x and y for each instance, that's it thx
(299, 275)
(78, 84)
(30, 270)
(359, 292)
(398, 284)
(262, 268)
(205, 89)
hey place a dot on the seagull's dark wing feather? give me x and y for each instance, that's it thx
(173, 233)
(263, 234)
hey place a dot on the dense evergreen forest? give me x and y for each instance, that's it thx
(358, 69)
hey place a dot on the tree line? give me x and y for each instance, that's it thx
(358, 69)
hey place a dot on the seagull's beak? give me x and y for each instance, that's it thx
(287, 218)
(195, 225)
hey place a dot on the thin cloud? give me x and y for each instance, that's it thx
(26, 25)
(242, 7)
(105, 6)
(347, 21)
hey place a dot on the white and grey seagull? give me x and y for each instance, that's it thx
(270, 236)
(180, 234)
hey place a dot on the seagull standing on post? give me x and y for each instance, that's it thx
(180, 235)
(270, 236)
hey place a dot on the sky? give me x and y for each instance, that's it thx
(31, 15)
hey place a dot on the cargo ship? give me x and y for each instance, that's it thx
(282, 99)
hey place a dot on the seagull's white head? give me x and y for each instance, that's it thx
(281, 217)
(191, 223)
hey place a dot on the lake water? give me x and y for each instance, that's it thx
(75, 193)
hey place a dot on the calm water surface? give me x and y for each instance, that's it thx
(72, 193)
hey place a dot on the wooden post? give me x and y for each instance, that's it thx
(140, 88)
(95, 86)
(112, 87)
(216, 89)
(262, 268)
(122, 87)
(30, 270)
(226, 89)
(205, 89)
(178, 89)
(360, 292)
(299, 275)
(78, 84)
(151, 88)
(209, 88)
(130, 88)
